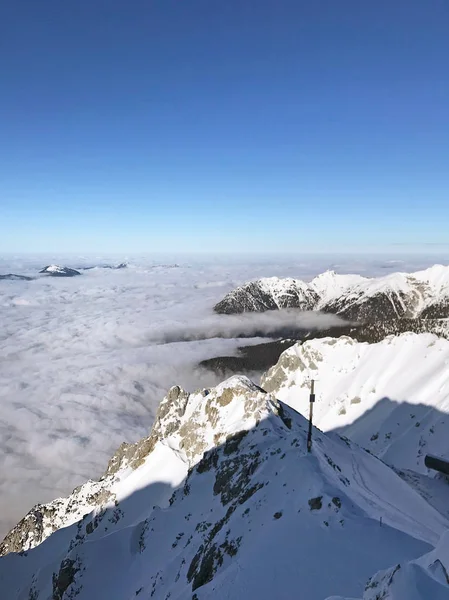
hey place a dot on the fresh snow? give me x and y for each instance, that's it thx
(330, 285)
(391, 397)
(54, 269)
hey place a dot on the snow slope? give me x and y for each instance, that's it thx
(391, 397)
(222, 500)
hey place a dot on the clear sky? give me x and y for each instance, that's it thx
(223, 125)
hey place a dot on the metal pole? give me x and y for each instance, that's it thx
(312, 400)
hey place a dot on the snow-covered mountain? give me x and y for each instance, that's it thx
(391, 397)
(58, 271)
(269, 293)
(353, 297)
(223, 500)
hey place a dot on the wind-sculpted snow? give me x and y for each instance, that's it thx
(223, 500)
(391, 397)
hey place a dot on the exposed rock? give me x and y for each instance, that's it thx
(64, 578)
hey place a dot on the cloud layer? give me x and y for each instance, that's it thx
(84, 362)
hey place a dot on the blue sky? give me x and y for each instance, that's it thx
(268, 125)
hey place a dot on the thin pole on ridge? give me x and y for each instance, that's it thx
(312, 400)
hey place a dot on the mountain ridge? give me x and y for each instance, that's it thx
(196, 509)
(352, 297)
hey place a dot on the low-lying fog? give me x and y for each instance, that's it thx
(85, 361)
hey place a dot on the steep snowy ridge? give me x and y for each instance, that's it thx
(391, 397)
(223, 500)
(397, 295)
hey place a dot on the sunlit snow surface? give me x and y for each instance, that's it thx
(84, 361)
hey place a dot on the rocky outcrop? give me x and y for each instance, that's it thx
(168, 421)
(44, 519)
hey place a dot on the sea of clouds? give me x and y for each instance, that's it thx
(85, 361)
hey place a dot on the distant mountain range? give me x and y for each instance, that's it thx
(422, 294)
(60, 271)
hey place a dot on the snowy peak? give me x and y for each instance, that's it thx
(436, 276)
(353, 297)
(58, 271)
(331, 285)
(394, 296)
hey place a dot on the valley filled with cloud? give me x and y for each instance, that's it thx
(85, 361)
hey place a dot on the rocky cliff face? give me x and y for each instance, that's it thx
(222, 500)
